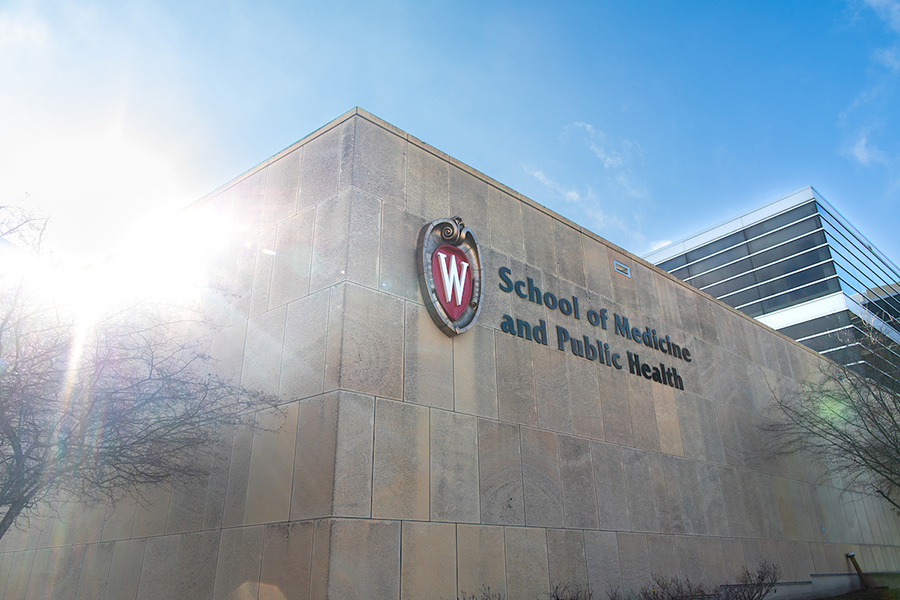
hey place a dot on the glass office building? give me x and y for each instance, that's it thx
(799, 267)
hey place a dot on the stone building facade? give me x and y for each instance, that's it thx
(410, 464)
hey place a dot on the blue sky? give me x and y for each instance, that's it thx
(642, 121)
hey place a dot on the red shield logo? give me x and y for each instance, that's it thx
(450, 275)
(452, 279)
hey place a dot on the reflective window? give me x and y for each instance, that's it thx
(819, 325)
(780, 220)
(741, 266)
(673, 263)
(717, 260)
(789, 249)
(711, 248)
(783, 235)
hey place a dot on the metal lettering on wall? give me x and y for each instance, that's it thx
(450, 274)
(592, 348)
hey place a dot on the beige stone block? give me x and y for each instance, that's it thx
(609, 476)
(639, 490)
(663, 561)
(354, 456)
(474, 373)
(614, 402)
(551, 389)
(196, 574)
(733, 552)
(713, 501)
(715, 571)
(566, 559)
(347, 241)
(305, 339)
(500, 473)
(505, 217)
(119, 520)
(785, 500)
(399, 236)
(400, 487)
(495, 302)
(364, 560)
(320, 168)
(94, 572)
(584, 388)
(540, 468)
(602, 555)
(427, 184)
(454, 468)
(624, 292)
(643, 413)
(634, 560)
(693, 503)
(379, 162)
(292, 263)
(286, 561)
(314, 460)
(596, 267)
(54, 573)
(214, 504)
(540, 245)
(187, 500)
(227, 351)
(660, 493)
(735, 513)
(645, 285)
(515, 380)
(243, 203)
(20, 571)
(689, 422)
(673, 492)
(468, 199)
(569, 256)
(271, 459)
(238, 478)
(262, 272)
(282, 189)
(577, 478)
(527, 569)
(263, 350)
(319, 571)
(690, 561)
(481, 560)
(369, 355)
(429, 560)
(125, 570)
(151, 512)
(667, 420)
(83, 524)
(5, 564)
(237, 567)
(427, 360)
(158, 567)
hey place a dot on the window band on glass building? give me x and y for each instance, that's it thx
(798, 266)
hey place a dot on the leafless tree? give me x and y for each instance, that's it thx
(102, 409)
(849, 418)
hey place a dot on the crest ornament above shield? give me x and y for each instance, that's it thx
(450, 274)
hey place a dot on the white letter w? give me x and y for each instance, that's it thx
(453, 280)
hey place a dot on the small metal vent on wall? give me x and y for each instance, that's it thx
(620, 268)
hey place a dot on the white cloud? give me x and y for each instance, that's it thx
(567, 194)
(654, 246)
(888, 11)
(888, 57)
(864, 152)
(21, 30)
(614, 154)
